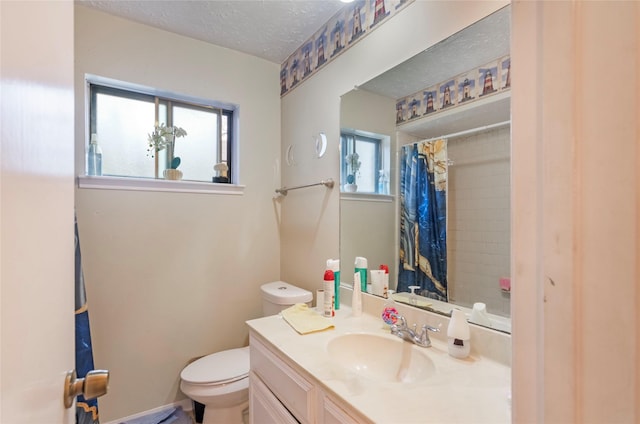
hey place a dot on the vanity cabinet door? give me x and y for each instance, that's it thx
(293, 390)
(264, 407)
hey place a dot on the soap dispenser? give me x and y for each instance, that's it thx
(458, 335)
(413, 297)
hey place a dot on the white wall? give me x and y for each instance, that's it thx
(173, 276)
(478, 227)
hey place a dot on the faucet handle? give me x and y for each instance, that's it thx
(399, 325)
(427, 327)
(403, 321)
(424, 338)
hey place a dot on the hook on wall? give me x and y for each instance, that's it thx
(321, 144)
(289, 155)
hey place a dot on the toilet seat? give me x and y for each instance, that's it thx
(218, 368)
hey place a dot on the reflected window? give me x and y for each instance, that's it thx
(362, 162)
(122, 120)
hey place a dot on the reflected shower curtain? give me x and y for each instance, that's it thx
(86, 410)
(423, 219)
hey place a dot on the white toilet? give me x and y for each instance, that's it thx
(220, 381)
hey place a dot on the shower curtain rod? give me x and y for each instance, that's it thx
(472, 130)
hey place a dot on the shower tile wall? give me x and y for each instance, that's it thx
(478, 241)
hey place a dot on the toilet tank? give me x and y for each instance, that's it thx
(279, 295)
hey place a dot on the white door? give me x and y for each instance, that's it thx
(36, 203)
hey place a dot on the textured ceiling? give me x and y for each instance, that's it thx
(476, 45)
(270, 29)
(274, 29)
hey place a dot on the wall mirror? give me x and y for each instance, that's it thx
(476, 169)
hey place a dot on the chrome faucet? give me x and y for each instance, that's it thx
(403, 331)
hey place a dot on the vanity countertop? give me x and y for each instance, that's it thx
(472, 390)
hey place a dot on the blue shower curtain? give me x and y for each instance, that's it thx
(423, 219)
(86, 410)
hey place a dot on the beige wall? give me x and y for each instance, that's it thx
(367, 230)
(367, 224)
(173, 276)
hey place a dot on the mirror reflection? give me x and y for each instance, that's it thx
(441, 220)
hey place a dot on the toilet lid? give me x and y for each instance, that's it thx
(220, 367)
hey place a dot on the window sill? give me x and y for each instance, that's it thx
(149, 184)
(366, 197)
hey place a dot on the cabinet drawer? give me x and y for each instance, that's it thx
(264, 407)
(294, 391)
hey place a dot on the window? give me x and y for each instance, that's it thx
(122, 120)
(370, 155)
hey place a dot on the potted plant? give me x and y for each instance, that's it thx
(353, 165)
(173, 173)
(164, 137)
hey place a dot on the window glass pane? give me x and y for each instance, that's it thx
(197, 150)
(123, 120)
(366, 179)
(122, 126)
(224, 142)
(348, 145)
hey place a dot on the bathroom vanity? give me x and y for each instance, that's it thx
(358, 372)
(282, 392)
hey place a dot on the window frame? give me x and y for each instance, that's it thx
(133, 91)
(347, 147)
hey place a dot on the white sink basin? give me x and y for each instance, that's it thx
(381, 358)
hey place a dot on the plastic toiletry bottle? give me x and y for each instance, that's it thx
(459, 335)
(356, 297)
(94, 157)
(328, 310)
(385, 184)
(381, 182)
(389, 311)
(334, 265)
(361, 268)
(385, 281)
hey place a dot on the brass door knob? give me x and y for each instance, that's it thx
(93, 385)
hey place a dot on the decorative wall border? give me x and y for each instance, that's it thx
(467, 87)
(348, 26)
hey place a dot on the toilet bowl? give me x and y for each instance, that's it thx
(220, 381)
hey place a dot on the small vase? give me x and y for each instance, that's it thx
(172, 174)
(351, 188)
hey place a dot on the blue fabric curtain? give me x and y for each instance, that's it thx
(86, 410)
(423, 219)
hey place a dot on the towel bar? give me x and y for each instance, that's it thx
(284, 190)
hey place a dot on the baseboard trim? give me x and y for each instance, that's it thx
(185, 404)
